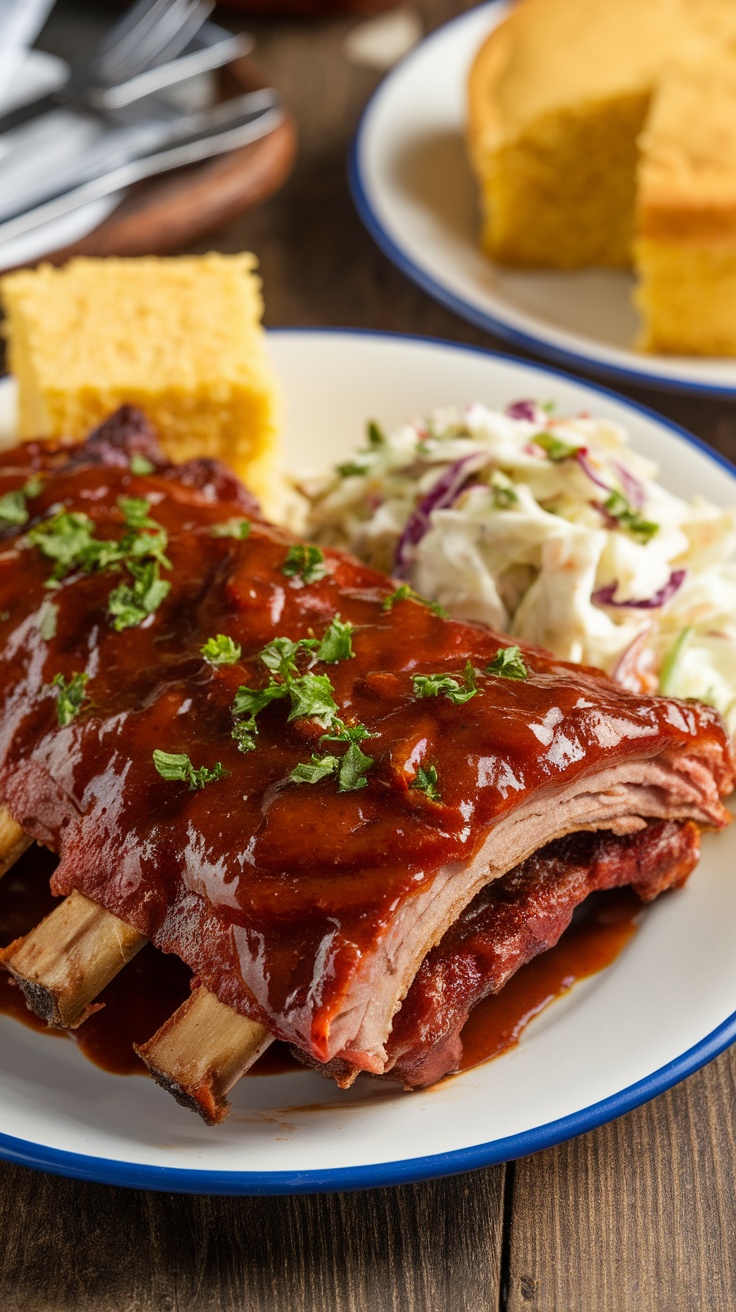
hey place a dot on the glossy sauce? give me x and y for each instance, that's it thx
(154, 984)
(601, 930)
(264, 886)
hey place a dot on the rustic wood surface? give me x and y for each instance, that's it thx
(638, 1216)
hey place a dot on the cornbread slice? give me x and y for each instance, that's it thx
(557, 96)
(686, 250)
(602, 133)
(180, 337)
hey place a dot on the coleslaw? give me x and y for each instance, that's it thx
(551, 529)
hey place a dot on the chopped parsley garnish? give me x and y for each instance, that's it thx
(280, 656)
(426, 782)
(350, 769)
(312, 697)
(556, 449)
(503, 491)
(130, 603)
(618, 507)
(305, 563)
(221, 650)
(141, 465)
(432, 685)
(71, 696)
(177, 766)
(405, 592)
(14, 505)
(318, 767)
(336, 644)
(508, 663)
(231, 528)
(68, 539)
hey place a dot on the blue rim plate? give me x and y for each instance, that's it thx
(615, 1041)
(413, 190)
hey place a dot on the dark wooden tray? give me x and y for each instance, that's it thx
(167, 214)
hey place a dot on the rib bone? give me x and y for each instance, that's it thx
(201, 1051)
(64, 962)
(13, 842)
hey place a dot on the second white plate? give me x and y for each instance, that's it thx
(413, 188)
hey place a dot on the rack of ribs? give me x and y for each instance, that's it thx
(351, 816)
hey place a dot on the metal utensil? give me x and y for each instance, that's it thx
(157, 44)
(20, 23)
(194, 137)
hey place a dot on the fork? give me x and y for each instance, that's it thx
(192, 138)
(141, 54)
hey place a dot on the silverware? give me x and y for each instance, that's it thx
(20, 23)
(147, 50)
(193, 138)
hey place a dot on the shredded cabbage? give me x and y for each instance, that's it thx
(523, 519)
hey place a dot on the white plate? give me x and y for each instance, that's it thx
(664, 1008)
(413, 188)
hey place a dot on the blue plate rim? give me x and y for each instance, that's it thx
(134, 1175)
(465, 309)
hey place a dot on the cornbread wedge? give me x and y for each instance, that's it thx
(181, 338)
(603, 135)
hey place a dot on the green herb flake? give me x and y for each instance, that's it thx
(336, 644)
(434, 685)
(176, 766)
(13, 509)
(71, 696)
(319, 767)
(14, 505)
(556, 449)
(305, 563)
(619, 508)
(502, 490)
(353, 769)
(426, 782)
(406, 593)
(140, 465)
(312, 699)
(130, 603)
(221, 650)
(280, 656)
(231, 528)
(508, 663)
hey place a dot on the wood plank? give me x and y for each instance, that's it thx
(637, 1216)
(419, 1248)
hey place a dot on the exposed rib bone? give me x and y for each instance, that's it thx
(201, 1051)
(13, 842)
(64, 962)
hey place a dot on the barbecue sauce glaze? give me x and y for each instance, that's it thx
(153, 985)
(274, 893)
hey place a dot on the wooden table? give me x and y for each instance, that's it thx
(639, 1216)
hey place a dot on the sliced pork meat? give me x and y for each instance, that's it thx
(514, 919)
(278, 764)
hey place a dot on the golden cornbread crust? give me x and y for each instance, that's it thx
(605, 134)
(179, 337)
